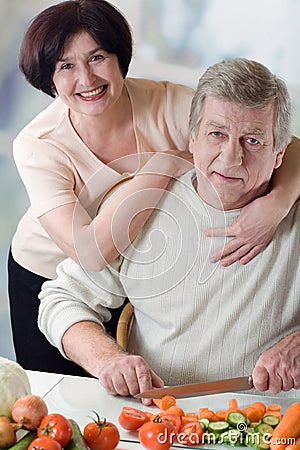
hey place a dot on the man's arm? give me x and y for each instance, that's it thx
(87, 344)
(72, 310)
(278, 368)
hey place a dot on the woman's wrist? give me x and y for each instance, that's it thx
(282, 201)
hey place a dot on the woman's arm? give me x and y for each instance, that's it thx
(94, 244)
(255, 227)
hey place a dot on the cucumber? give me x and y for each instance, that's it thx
(77, 441)
(218, 427)
(256, 441)
(24, 443)
(232, 437)
(264, 429)
(236, 419)
(204, 422)
(271, 420)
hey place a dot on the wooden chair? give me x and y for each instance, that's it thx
(124, 325)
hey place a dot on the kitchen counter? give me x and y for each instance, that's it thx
(79, 397)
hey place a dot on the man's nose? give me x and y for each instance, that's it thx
(232, 152)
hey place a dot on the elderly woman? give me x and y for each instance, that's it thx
(102, 129)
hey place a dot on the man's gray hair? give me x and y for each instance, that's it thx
(249, 84)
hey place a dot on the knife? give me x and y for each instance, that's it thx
(196, 389)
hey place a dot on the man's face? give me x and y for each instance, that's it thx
(234, 153)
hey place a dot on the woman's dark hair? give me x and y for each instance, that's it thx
(44, 40)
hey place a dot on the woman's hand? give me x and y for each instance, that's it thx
(252, 231)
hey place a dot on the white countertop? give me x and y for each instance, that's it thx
(79, 397)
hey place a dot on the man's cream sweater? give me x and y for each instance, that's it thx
(194, 320)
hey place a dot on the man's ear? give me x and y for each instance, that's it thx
(191, 144)
(279, 157)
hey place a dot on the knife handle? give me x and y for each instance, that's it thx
(250, 382)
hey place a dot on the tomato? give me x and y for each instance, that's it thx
(44, 443)
(190, 434)
(174, 419)
(157, 434)
(57, 427)
(101, 435)
(131, 418)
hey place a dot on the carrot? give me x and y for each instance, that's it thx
(165, 402)
(173, 410)
(222, 414)
(288, 428)
(187, 419)
(233, 405)
(255, 411)
(274, 407)
(206, 413)
(295, 446)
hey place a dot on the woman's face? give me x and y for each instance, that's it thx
(87, 78)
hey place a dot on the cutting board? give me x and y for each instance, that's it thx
(79, 398)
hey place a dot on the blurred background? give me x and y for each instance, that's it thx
(174, 40)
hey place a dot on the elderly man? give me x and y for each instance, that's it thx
(194, 320)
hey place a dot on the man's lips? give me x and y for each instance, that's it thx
(226, 178)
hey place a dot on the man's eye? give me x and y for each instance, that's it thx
(252, 141)
(216, 134)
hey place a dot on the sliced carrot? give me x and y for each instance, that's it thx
(165, 402)
(260, 406)
(233, 404)
(173, 410)
(187, 419)
(222, 414)
(192, 414)
(206, 413)
(252, 414)
(288, 428)
(274, 407)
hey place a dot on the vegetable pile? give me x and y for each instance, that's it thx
(257, 426)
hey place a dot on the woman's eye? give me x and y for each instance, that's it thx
(66, 66)
(98, 58)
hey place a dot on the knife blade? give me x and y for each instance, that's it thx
(197, 389)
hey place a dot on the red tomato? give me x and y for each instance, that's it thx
(157, 434)
(131, 418)
(101, 435)
(57, 427)
(174, 419)
(44, 443)
(190, 434)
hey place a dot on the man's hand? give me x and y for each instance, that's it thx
(128, 375)
(252, 231)
(278, 369)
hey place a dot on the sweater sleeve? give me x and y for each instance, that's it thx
(77, 295)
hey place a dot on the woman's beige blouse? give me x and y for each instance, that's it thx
(58, 168)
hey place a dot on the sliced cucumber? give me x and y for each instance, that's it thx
(264, 429)
(236, 419)
(204, 422)
(218, 427)
(271, 420)
(232, 437)
(256, 441)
